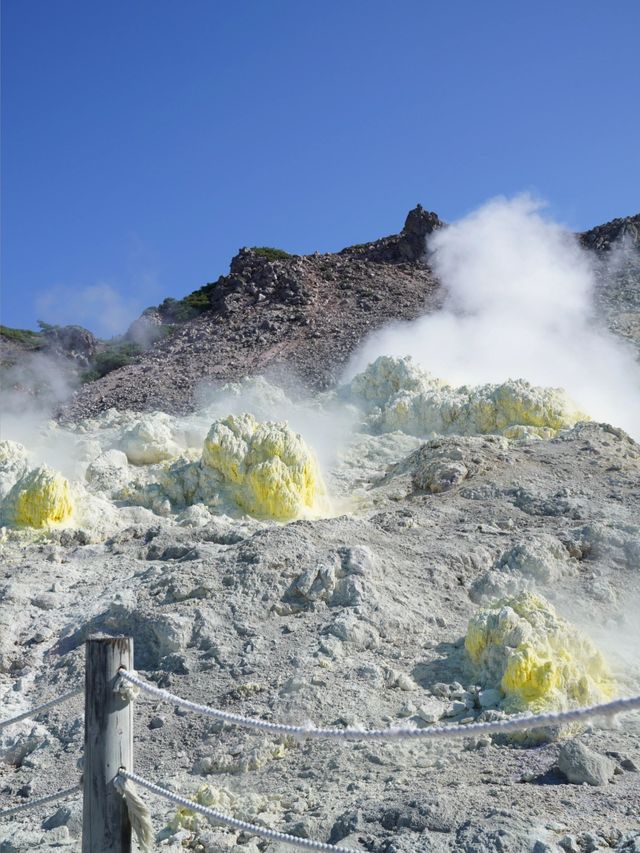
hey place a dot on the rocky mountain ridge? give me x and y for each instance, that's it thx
(299, 317)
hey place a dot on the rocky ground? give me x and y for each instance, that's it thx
(353, 619)
(355, 615)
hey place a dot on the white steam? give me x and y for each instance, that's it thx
(99, 307)
(519, 304)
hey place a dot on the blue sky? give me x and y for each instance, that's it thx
(145, 141)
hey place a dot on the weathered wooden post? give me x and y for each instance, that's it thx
(108, 745)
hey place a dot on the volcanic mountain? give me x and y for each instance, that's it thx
(296, 317)
(400, 553)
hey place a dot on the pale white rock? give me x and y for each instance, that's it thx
(581, 764)
(489, 698)
(150, 439)
(109, 473)
(13, 465)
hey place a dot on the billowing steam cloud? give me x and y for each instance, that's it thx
(519, 304)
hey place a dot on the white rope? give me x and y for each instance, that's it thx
(513, 724)
(219, 817)
(40, 708)
(32, 804)
(139, 815)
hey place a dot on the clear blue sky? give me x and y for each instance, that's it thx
(145, 141)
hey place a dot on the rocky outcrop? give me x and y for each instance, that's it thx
(290, 315)
(73, 342)
(408, 246)
(616, 245)
(603, 237)
(146, 329)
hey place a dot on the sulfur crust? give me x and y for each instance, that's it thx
(149, 440)
(268, 468)
(536, 658)
(250, 807)
(400, 396)
(39, 499)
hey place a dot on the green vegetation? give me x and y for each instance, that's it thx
(196, 303)
(118, 354)
(270, 253)
(181, 310)
(161, 333)
(47, 327)
(115, 353)
(176, 310)
(25, 337)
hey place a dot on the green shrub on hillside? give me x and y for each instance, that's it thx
(270, 253)
(176, 310)
(117, 355)
(182, 310)
(47, 327)
(25, 337)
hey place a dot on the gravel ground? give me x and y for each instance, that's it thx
(219, 615)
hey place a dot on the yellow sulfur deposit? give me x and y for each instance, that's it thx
(40, 498)
(516, 403)
(251, 807)
(268, 468)
(398, 395)
(536, 658)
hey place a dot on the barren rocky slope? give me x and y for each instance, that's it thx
(302, 316)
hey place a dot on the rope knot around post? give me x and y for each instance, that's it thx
(124, 688)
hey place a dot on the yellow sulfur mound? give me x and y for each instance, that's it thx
(516, 403)
(40, 498)
(536, 658)
(397, 395)
(267, 467)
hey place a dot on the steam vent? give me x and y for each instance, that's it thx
(394, 486)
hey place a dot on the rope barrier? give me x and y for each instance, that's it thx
(40, 708)
(129, 683)
(455, 730)
(234, 823)
(32, 804)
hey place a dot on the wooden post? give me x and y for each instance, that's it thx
(108, 745)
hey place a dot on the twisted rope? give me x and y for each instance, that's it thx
(234, 823)
(32, 804)
(40, 708)
(513, 724)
